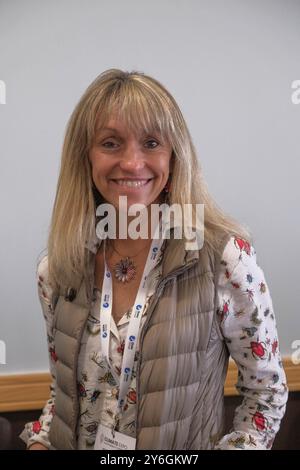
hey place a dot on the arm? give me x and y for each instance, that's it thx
(248, 325)
(35, 434)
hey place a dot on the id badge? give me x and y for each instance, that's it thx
(105, 440)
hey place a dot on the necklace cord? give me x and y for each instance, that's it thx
(126, 256)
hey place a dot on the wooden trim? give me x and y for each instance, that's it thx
(24, 392)
(292, 374)
(31, 391)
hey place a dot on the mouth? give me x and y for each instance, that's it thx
(131, 184)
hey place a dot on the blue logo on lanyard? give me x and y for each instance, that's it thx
(138, 307)
(127, 371)
(155, 249)
(104, 335)
(105, 305)
(131, 342)
(108, 274)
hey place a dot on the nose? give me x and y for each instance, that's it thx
(133, 158)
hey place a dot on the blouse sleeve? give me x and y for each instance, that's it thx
(248, 325)
(38, 431)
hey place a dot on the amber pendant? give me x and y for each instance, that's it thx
(125, 270)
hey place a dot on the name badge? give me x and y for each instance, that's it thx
(105, 440)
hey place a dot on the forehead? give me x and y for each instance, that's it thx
(114, 125)
(126, 127)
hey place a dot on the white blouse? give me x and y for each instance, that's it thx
(248, 325)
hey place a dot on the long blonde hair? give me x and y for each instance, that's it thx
(143, 103)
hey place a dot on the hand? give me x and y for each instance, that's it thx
(37, 446)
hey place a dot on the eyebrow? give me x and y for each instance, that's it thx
(116, 131)
(110, 129)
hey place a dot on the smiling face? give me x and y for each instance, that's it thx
(125, 164)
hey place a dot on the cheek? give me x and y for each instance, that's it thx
(166, 160)
(93, 162)
(165, 167)
(162, 164)
(100, 165)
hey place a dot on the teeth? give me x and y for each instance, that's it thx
(132, 183)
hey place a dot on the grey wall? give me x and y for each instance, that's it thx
(229, 64)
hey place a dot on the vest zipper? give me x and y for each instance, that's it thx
(159, 289)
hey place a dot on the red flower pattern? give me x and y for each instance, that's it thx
(247, 323)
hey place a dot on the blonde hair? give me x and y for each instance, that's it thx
(143, 104)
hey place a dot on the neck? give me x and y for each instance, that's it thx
(130, 246)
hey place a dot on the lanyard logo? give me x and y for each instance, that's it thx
(131, 341)
(126, 373)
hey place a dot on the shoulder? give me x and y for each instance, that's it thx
(45, 289)
(237, 261)
(42, 267)
(42, 273)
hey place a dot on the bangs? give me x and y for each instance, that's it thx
(141, 109)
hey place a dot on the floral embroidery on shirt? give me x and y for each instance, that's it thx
(247, 322)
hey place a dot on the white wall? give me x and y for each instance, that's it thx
(230, 66)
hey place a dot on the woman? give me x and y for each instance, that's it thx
(161, 387)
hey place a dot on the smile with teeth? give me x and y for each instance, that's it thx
(132, 183)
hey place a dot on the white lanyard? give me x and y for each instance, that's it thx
(123, 381)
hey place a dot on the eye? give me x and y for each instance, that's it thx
(152, 141)
(109, 144)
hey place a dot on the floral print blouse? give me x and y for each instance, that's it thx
(248, 325)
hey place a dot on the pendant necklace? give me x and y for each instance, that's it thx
(125, 269)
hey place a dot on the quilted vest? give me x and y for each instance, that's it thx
(183, 357)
